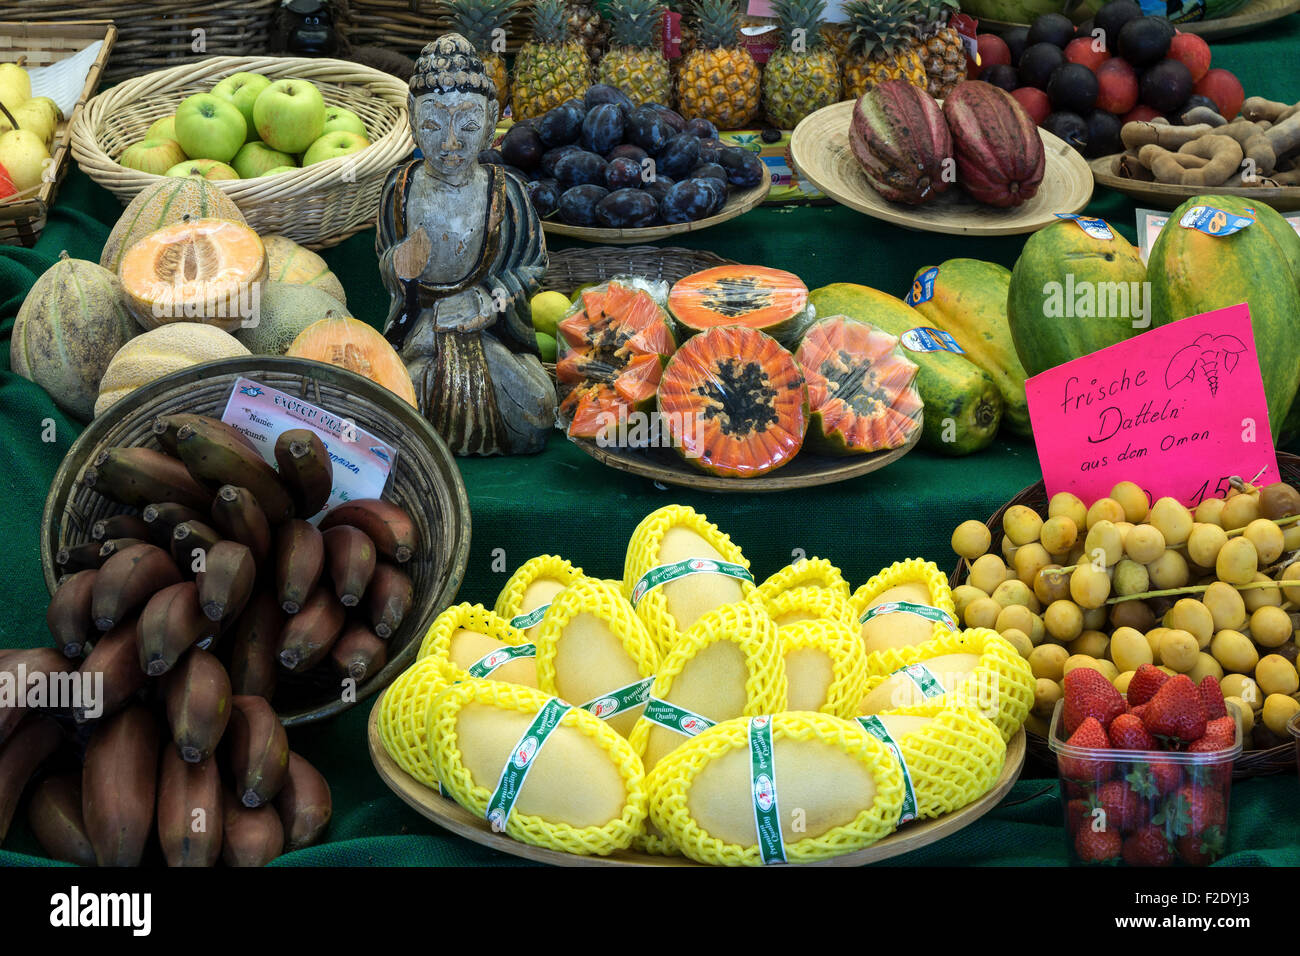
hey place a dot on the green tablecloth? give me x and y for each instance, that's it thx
(563, 502)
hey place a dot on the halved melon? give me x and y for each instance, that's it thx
(197, 270)
(860, 388)
(769, 300)
(734, 402)
(289, 262)
(351, 344)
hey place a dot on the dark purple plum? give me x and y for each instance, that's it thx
(623, 173)
(1002, 76)
(545, 194)
(647, 128)
(675, 119)
(680, 156)
(1073, 87)
(701, 128)
(561, 126)
(716, 189)
(602, 130)
(687, 201)
(710, 150)
(491, 157)
(1037, 64)
(580, 168)
(1165, 86)
(600, 93)
(743, 167)
(578, 205)
(627, 151)
(1103, 134)
(626, 209)
(1070, 127)
(1193, 101)
(658, 189)
(522, 147)
(552, 156)
(710, 171)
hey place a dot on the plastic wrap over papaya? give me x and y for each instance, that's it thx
(771, 301)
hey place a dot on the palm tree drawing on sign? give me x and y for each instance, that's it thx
(1205, 354)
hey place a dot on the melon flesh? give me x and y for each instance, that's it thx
(351, 344)
(165, 203)
(166, 349)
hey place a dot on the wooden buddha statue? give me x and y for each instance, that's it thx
(461, 252)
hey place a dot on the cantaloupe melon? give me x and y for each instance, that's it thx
(166, 349)
(196, 270)
(351, 344)
(289, 262)
(165, 202)
(68, 328)
(283, 312)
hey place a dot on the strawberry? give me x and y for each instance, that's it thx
(1146, 681)
(1148, 847)
(1139, 710)
(1090, 736)
(1212, 697)
(1202, 849)
(1077, 814)
(1220, 734)
(1098, 846)
(1121, 804)
(1089, 694)
(1176, 712)
(1153, 780)
(1127, 733)
(1193, 809)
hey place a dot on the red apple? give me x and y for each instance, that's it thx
(1193, 52)
(7, 187)
(1085, 50)
(1139, 114)
(1225, 89)
(992, 51)
(1117, 86)
(1035, 103)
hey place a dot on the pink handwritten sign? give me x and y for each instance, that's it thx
(1178, 409)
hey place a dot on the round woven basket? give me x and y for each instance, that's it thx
(1251, 763)
(317, 206)
(424, 480)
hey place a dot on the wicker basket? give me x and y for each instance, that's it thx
(317, 206)
(156, 35)
(407, 25)
(425, 481)
(1251, 763)
(22, 216)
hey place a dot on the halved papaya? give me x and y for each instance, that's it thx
(769, 300)
(860, 388)
(735, 402)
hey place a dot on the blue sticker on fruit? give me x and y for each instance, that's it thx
(1153, 8)
(923, 286)
(1215, 222)
(1096, 228)
(930, 340)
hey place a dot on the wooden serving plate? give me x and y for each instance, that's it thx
(819, 149)
(450, 815)
(739, 202)
(1105, 170)
(1252, 16)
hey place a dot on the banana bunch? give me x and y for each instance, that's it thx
(185, 613)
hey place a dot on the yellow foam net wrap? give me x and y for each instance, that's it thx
(470, 617)
(672, 781)
(807, 603)
(643, 555)
(840, 644)
(544, 567)
(804, 573)
(446, 752)
(404, 714)
(900, 573)
(953, 760)
(1001, 687)
(604, 601)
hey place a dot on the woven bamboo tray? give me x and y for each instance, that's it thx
(1105, 170)
(1251, 763)
(425, 481)
(153, 35)
(317, 206)
(22, 216)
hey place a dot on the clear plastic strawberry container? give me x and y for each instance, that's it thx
(1143, 807)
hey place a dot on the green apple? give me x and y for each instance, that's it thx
(334, 145)
(208, 127)
(338, 118)
(289, 115)
(202, 169)
(253, 159)
(23, 153)
(164, 128)
(154, 156)
(242, 89)
(278, 169)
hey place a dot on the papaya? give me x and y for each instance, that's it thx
(1191, 273)
(968, 300)
(767, 300)
(166, 202)
(963, 406)
(68, 329)
(1072, 294)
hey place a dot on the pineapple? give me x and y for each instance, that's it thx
(940, 47)
(476, 20)
(719, 80)
(635, 63)
(802, 75)
(884, 39)
(550, 68)
(587, 27)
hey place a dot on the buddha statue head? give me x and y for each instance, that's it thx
(453, 107)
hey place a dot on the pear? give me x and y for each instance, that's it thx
(15, 85)
(39, 115)
(24, 155)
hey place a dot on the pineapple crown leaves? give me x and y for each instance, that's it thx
(635, 22)
(881, 25)
(718, 23)
(550, 21)
(800, 15)
(476, 19)
(935, 12)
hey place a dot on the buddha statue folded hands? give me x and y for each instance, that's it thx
(461, 252)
